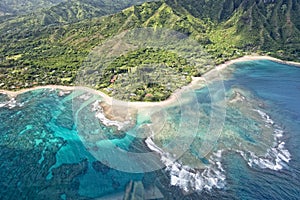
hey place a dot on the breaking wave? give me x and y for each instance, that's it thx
(187, 178)
(104, 120)
(213, 174)
(10, 104)
(277, 156)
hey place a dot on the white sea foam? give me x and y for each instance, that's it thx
(12, 103)
(265, 116)
(278, 133)
(213, 176)
(85, 97)
(190, 179)
(63, 93)
(277, 156)
(105, 121)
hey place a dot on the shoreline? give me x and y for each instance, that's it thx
(13, 94)
(109, 100)
(253, 58)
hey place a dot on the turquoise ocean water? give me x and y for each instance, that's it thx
(257, 156)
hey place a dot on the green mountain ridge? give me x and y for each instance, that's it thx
(53, 54)
(66, 12)
(270, 26)
(17, 7)
(50, 50)
(76, 10)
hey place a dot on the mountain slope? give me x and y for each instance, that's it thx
(34, 53)
(271, 26)
(65, 12)
(16, 7)
(52, 54)
(76, 10)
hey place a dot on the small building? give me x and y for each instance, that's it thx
(113, 79)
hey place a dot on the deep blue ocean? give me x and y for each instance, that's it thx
(279, 86)
(43, 154)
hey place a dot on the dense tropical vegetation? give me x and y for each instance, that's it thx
(49, 46)
(16, 7)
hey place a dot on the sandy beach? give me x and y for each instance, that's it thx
(255, 57)
(13, 94)
(197, 81)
